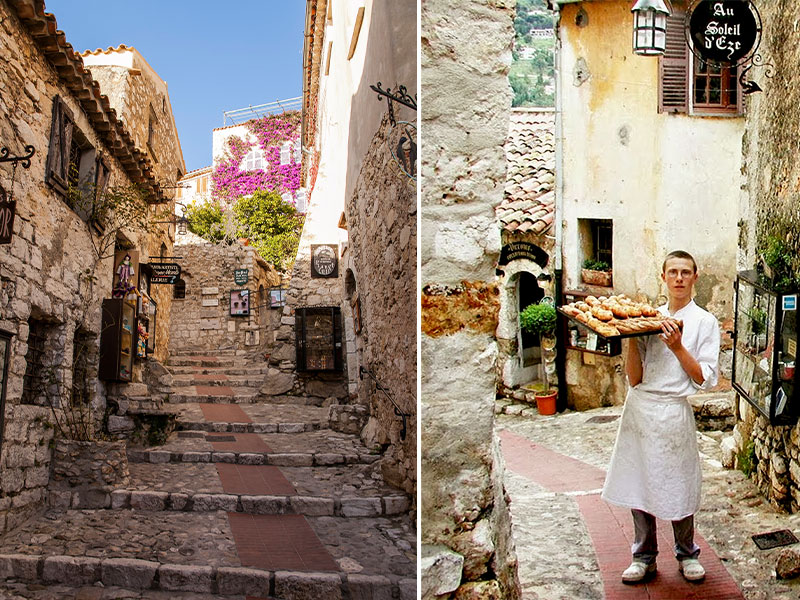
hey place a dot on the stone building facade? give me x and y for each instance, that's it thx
(48, 306)
(769, 209)
(466, 530)
(364, 206)
(206, 295)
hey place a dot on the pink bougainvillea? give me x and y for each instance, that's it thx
(229, 179)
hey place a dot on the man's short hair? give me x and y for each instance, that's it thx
(679, 254)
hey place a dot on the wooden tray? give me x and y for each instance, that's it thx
(613, 322)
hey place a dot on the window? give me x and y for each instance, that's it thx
(74, 168)
(152, 122)
(202, 185)
(254, 160)
(179, 289)
(34, 382)
(688, 84)
(82, 347)
(596, 240)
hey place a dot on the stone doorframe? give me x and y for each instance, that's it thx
(509, 335)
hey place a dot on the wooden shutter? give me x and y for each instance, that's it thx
(57, 168)
(673, 68)
(300, 338)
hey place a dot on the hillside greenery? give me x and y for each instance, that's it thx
(532, 79)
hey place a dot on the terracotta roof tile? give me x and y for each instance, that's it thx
(529, 198)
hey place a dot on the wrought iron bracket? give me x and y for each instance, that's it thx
(750, 86)
(25, 160)
(400, 95)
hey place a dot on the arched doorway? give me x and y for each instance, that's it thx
(528, 292)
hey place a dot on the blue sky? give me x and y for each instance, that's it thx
(215, 56)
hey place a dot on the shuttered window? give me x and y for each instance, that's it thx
(74, 168)
(673, 68)
(689, 84)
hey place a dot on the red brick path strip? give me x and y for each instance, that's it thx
(278, 542)
(254, 480)
(245, 442)
(611, 529)
(213, 390)
(224, 413)
(209, 377)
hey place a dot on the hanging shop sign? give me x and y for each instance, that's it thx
(726, 32)
(240, 276)
(324, 260)
(523, 250)
(165, 273)
(7, 211)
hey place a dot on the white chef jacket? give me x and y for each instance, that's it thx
(655, 465)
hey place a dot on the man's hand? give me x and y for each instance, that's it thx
(671, 335)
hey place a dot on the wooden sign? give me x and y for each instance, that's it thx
(324, 260)
(240, 276)
(165, 273)
(523, 250)
(7, 212)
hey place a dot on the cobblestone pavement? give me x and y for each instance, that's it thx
(250, 500)
(552, 539)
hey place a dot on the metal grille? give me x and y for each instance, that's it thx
(773, 539)
(32, 382)
(81, 348)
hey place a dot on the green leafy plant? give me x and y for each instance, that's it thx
(758, 320)
(541, 319)
(779, 258)
(596, 265)
(746, 460)
(272, 225)
(205, 220)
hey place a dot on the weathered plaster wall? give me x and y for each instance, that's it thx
(770, 208)
(202, 319)
(668, 181)
(39, 270)
(466, 52)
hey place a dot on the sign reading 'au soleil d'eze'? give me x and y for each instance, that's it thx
(167, 273)
(723, 32)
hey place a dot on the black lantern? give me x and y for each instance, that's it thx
(182, 222)
(649, 27)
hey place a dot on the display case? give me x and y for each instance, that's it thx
(579, 337)
(318, 338)
(765, 348)
(117, 340)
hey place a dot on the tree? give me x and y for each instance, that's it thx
(205, 220)
(272, 224)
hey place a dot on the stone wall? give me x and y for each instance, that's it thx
(381, 222)
(202, 320)
(467, 102)
(40, 270)
(772, 136)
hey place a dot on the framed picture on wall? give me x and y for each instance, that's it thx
(240, 303)
(277, 297)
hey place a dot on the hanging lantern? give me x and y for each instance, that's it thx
(649, 27)
(182, 222)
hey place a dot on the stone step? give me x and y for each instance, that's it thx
(217, 552)
(196, 582)
(213, 395)
(222, 427)
(249, 370)
(311, 506)
(277, 459)
(204, 361)
(263, 413)
(190, 379)
(207, 352)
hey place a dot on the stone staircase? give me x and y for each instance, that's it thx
(248, 498)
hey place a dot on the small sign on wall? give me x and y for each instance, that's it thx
(324, 260)
(165, 273)
(240, 276)
(790, 302)
(240, 303)
(7, 212)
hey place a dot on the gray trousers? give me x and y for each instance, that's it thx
(645, 545)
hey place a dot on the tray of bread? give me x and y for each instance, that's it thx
(616, 316)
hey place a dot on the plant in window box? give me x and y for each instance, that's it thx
(778, 264)
(541, 319)
(596, 272)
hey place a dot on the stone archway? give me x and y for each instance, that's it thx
(519, 352)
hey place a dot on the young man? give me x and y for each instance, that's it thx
(655, 466)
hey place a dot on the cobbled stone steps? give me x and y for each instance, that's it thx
(179, 551)
(35, 591)
(210, 379)
(236, 370)
(295, 459)
(220, 426)
(205, 361)
(213, 394)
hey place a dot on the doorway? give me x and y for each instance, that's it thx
(528, 292)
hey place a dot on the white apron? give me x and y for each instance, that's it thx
(655, 466)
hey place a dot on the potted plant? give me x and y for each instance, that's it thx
(541, 319)
(596, 272)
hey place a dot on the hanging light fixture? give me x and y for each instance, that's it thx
(649, 27)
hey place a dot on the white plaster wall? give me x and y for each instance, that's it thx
(667, 181)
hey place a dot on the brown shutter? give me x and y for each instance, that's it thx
(673, 68)
(57, 167)
(101, 181)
